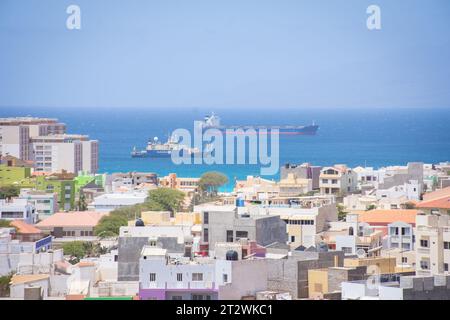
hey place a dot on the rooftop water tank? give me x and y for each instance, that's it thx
(231, 255)
(240, 202)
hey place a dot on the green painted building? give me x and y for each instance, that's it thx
(64, 187)
(82, 180)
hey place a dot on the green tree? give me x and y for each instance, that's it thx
(7, 192)
(371, 207)
(5, 284)
(93, 249)
(341, 212)
(5, 223)
(410, 205)
(109, 226)
(165, 199)
(211, 181)
(75, 249)
(82, 205)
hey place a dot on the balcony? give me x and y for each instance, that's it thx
(180, 285)
(423, 250)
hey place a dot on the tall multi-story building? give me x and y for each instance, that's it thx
(45, 142)
(73, 153)
(432, 244)
(15, 134)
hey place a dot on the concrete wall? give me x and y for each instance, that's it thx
(247, 278)
(292, 274)
(129, 253)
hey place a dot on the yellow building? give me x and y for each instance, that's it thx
(163, 218)
(325, 283)
(385, 264)
(187, 185)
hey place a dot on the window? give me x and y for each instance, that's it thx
(152, 277)
(197, 277)
(347, 250)
(404, 260)
(179, 277)
(292, 238)
(424, 243)
(197, 297)
(82, 233)
(229, 235)
(12, 215)
(324, 180)
(424, 264)
(446, 245)
(205, 235)
(241, 234)
(177, 298)
(394, 231)
(205, 217)
(445, 266)
(405, 231)
(334, 181)
(225, 278)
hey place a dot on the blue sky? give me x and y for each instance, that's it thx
(225, 54)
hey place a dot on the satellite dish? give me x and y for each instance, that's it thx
(361, 253)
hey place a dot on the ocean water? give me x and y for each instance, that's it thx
(375, 137)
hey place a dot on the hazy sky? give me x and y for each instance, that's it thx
(225, 53)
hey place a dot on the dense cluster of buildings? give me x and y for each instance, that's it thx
(316, 233)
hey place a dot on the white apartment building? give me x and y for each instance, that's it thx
(73, 153)
(410, 190)
(338, 180)
(45, 204)
(164, 278)
(353, 237)
(432, 244)
(10, 251)
(400, 235)
(17, 209)
(45, 142)
(368, 176)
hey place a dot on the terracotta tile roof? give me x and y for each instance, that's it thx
(24, 278)
(382, 217)
(440, 203)
(25, 228)
(72, 219)
(439, 193)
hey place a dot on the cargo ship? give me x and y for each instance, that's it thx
(156, 149)
(213, 121)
